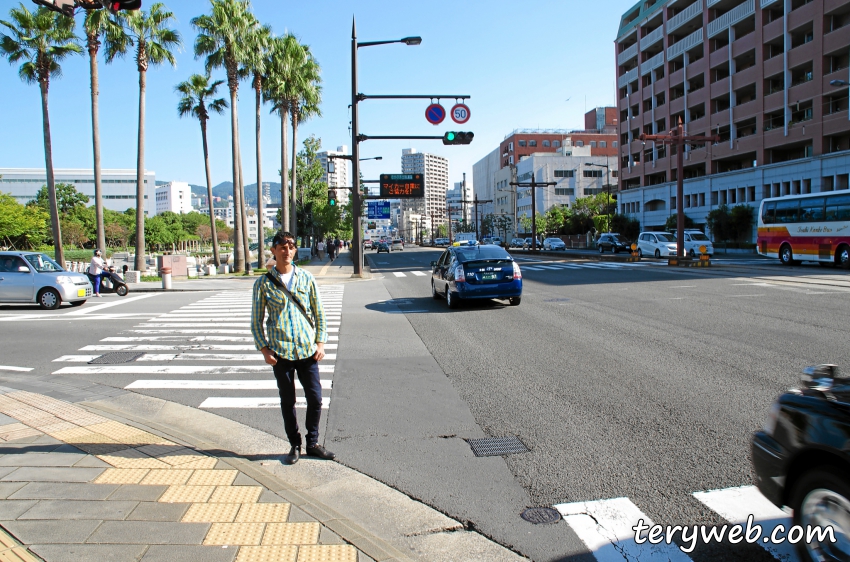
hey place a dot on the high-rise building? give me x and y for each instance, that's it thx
(340, 178)
(459, 200)
(174, 196)
(769, 77)
(435, 170)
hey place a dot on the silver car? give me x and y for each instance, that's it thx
(32, 277)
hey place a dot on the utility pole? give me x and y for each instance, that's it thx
(679, 139)
(476, 201)
(449, 221)
(533, 184)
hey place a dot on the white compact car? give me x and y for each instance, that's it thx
(693, 240)
(657, 244)
(34, 277)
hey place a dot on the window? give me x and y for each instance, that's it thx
(838, 208)
(592, 173)
(615, 144)
(564, 191)
(592, 144)
(565, 173)
(522, 143)
(532, 143)
(556, 144)
(546, 143)
(579, 143)
(603, 144)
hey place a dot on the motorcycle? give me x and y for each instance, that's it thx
(110, 283)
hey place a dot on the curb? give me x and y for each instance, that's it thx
(378, 549)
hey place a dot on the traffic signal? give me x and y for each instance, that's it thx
(332, 197)
(116, 6)
(457, 137)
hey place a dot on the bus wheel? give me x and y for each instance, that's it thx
(786, 256)
(842, 257)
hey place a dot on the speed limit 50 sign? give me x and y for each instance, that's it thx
(460, 113)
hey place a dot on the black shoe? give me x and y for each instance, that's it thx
(320, 452)
(293, 456)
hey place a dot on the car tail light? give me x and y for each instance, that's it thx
(517, 272)
(460, 275)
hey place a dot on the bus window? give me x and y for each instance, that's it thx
(787, 211)
(811, 210)
(767, 216)
(838, 208)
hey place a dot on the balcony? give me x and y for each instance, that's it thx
(684, 16)
(652, 64)
(731, 17)
(627, 78)
(653, 37)
(685, 44)
(627, 55)
(766, 3)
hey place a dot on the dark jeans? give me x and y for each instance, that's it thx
(97, 281)
(308, 373)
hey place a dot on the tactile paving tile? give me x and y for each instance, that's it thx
(92, 438)
(86, 420)
(327, 553)
(211, 513)
(121, 476)
(20, 434)
(145, 438)
(238, 534)
(177, 456)
(236, 494)
(61, 425)
(186, 494)
(167, 477)
(291, 533)
(276, 553)
(131, 458)
(75, 433)
(200, 464)
(263, 512)
(213, 478)
(100, 448)
(114, 430)
(159, 450)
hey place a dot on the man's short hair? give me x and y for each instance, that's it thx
(282, 237)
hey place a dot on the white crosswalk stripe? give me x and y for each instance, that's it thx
(211, 340)
(606, 526)
(536, 266)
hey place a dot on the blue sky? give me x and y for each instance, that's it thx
(525, 64)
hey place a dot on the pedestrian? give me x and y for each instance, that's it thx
(337, 246)
(292, 340)
(333, 249)
(96, 270)
(320, 247)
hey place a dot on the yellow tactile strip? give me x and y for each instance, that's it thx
(260, 530)
(12, 551)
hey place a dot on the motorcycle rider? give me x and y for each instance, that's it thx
(96, 270)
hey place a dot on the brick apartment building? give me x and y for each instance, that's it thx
(755, 72)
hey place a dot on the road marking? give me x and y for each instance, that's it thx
(529, 268)
(270, 402)
(605, 527)
(548, 267)
(737, 296)
(195, 331)
(399, 274)
(261, 384)
(195, 324)
(17, 369)
(736, 504)
(98, 307)
(154, 347)
(133, 369)
(419, 273)
(179, 338)
(684, 287)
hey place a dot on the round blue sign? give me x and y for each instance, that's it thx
(435, 113)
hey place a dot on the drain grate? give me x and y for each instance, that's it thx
(496, 446)
(541, 515)
(116, 357)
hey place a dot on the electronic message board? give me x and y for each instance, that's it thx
(397, 186)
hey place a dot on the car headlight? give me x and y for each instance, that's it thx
(63, 279)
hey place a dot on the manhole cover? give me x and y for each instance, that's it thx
(116, 357)
(496, 446)
(541, 515)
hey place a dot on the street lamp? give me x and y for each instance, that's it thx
(608, 186)
(355, 140)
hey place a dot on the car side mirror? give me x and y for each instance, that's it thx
(23, 269)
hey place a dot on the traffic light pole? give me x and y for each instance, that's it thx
(533, 184)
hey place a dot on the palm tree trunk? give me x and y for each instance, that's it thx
(261, 234)
(238, 258)
(294, 189)
(139, 264)
(284, 172)
(246, 238)
(95, 128)
(216, 259)
(59, 253)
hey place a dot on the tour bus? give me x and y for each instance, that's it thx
(812, 227)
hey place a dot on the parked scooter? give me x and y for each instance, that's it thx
(111, 283)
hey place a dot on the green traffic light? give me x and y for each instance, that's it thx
(450, 136)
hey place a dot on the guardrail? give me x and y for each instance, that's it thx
(623, 57)
(684, 16)
(627, 78)
(688, 42)
(654, 36)
(731, 17)
(652, 64)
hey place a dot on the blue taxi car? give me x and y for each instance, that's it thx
(476, 272)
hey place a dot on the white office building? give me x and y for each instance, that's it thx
(459, 201)
(118, 186)
(174, 196)
(435, 170)
(340, 177)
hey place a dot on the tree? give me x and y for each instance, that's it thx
(40, 41)
(97, 24)
(67, 198)
(314, 216)
(222, 38)
(553, 220)
(741, 220)
(198, 100)
(626, 226)
(153, 42)
(21, 226)
(673, 224)
(74, 233)
(116, 234)
(717, 222)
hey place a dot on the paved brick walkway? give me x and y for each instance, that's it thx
(79, 486)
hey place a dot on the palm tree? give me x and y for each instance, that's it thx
(304, 99)
(153, 42)
(40, 41)
(97, 24)
(259, 41)
(222, 37)
(196, 102)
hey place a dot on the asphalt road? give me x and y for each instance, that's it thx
(639, 382)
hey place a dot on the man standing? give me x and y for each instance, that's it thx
(292, 340)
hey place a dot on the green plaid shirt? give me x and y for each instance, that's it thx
(287, 332)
